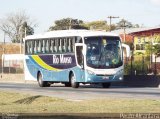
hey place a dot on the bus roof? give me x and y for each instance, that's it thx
(69, 33)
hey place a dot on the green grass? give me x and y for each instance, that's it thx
(20, 103)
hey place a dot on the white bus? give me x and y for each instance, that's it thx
(72, 57)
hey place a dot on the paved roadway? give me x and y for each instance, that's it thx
(82, 93)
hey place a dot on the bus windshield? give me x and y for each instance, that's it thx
(103, 52)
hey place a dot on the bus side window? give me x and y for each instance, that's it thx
(60, 45)
(47, 45)
(56, 45)
(69, 44)
(32, 47)
(39, 46)
(63, 45)
(43, 46)
(27, 47)
(73, 44)
(35, 46)
(51, 46)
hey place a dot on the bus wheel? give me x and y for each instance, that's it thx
(41, 82)
(68, 84)
(106, 85)
(74, 84)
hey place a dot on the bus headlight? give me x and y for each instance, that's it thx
(119, 74)
(120, 78)
(90, 72)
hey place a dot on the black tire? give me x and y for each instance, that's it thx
(74, 84)
(41, 82)
(68, 84)
(106, 85)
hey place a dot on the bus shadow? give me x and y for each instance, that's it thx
(99, 86)
(96, 86)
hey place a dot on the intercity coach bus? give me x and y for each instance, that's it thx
(72, 57)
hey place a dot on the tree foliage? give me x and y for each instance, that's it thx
(67, 23)
(155, 49)
(26, 29)
(124, 24)
(15, 24)
(70, 23)
(97, 25)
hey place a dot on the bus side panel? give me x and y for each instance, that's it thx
(49, 75)
(61, 76)
(51, 72)
(64, 76)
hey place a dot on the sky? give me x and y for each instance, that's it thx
(45, 12)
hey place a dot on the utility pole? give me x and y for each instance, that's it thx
(22, 30)
(110, 21)
(124, 30)
(3, 54)
(20, 37)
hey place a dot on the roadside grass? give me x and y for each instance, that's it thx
(22, 103)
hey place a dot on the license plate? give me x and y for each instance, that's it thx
(106, 77)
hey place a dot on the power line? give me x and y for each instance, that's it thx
(110, 20)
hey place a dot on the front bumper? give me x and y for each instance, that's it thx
(93, 78)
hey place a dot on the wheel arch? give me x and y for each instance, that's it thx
(70, 74)
(39, 72)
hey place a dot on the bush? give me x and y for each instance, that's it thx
(127, 69)
(138, 66)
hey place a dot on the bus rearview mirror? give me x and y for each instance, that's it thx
(125, 46)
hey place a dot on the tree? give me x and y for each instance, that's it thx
(157, 49)
(26, 30)
(124, 24)
(67, 23)
(98, 25)
(14, 25)
(154, 49)
(136, 26)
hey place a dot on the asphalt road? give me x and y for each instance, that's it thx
(83, 92)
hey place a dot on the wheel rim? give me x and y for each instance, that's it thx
(73, 80)
(40, 79)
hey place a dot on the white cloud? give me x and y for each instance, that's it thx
(156, 2)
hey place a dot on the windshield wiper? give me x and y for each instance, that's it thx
(100, 57)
